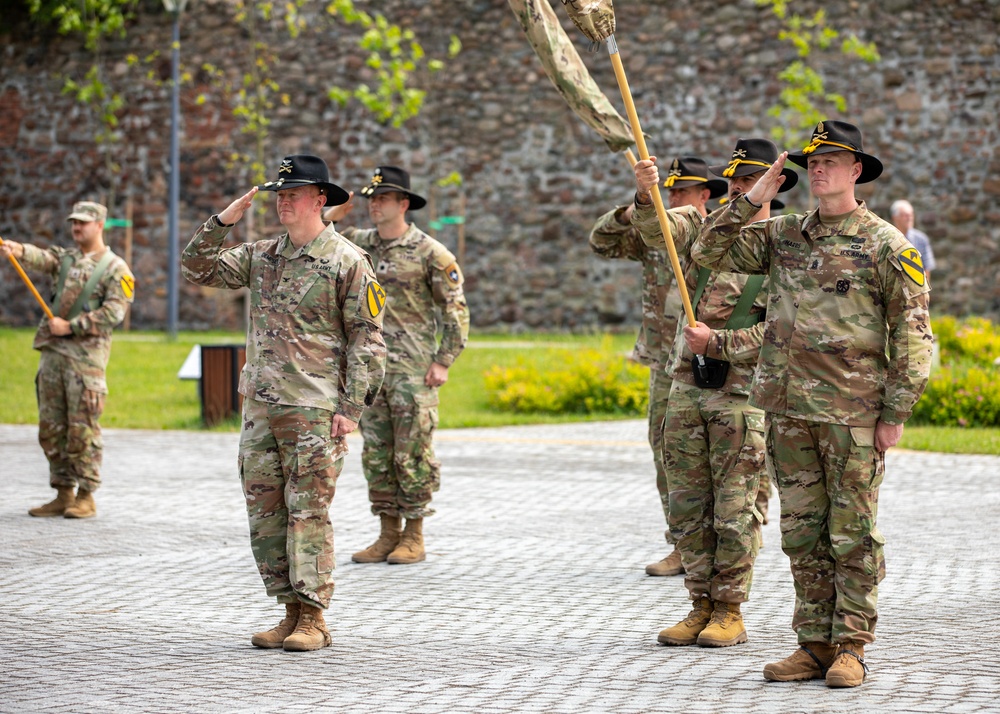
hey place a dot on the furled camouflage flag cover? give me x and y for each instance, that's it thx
(566, 70)
(595, 18)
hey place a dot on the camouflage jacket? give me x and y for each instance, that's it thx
(739, 347)
(315, 337)
(661, 306)
(90, 343)
(848, 335)
(420, 276)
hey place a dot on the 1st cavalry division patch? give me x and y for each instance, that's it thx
(128, 285)
(376, 298)
(913, 266)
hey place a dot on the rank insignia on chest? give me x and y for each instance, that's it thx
(128, 285)
(376, 298)
(913, 265)
(843, 286)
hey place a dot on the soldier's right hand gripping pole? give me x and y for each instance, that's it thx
(596, 20)
(661, 211)
(31, 286)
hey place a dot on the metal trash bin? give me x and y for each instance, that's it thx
(220, 379)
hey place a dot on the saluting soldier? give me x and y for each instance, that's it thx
(423, 281)
(713, 441)
(613, 236)
(846, 355)
(93, 289)
(315, 359)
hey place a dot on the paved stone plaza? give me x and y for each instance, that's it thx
(532, 599)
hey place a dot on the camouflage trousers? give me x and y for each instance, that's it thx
(659, 392)
(828, 479)
(289, 466)
(68, 428)
(713, 455)
(398, 455)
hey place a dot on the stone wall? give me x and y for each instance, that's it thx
(535, 177)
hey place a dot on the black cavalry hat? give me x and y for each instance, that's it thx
(833, 135)
(393, 178)
(688, 171)
(305, 170)
(751, 156)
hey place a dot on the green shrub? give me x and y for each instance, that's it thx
(588, 381)
(974, 340)
(961, 397)
(965, 392)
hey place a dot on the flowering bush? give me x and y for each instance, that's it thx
(588, 381)
(975, 340)
(966, 390)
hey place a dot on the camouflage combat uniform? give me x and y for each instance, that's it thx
(68, 430)
(716, 440)
(661, 309)
(847, 343)
(314, 350)
(421, 277)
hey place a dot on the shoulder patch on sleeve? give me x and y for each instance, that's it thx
(912, 265)
(453, 274)
(375, 298)
(128, 285)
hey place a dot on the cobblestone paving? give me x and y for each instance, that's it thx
(532, 599)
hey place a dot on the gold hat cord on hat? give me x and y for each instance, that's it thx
(731, 169)
(820, 139)
(672, 179)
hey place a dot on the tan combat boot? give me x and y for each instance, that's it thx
(310, 632)
(411, 545)
(849, 669)
(687, 630)
(725, 628)
(671, 565)
(810, 661)
(57, 506)
(83, 506)
(273, 638)
(387, 541)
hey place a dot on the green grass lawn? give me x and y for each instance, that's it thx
(146, 393)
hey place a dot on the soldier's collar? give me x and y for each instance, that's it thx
(848, 227)
(409, 236)
(288, 251)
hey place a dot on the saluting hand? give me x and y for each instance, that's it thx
(646, 175)
(235, 210)
(767, 187)
(335, 214)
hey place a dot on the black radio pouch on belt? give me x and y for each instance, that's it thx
(711, 373)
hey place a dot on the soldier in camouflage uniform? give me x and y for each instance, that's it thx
(613, 236)
(846, 355)
(93, 289)
(423, 279)
(715, 455)
(315, 359)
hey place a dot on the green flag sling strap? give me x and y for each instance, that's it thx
(88, 288)
(740, 316)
